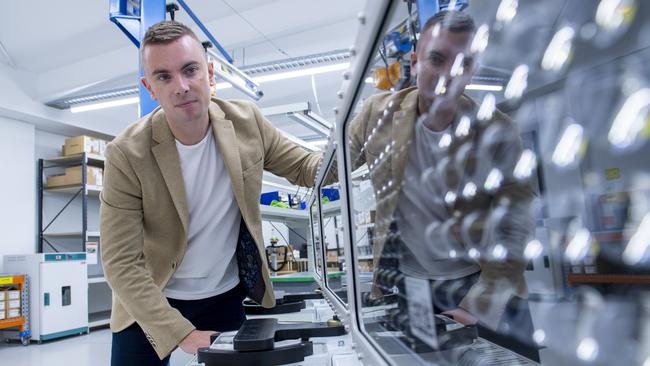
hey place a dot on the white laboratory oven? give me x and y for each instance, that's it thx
(58, 292)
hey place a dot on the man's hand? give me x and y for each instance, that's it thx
(196, 340)
(461, 316)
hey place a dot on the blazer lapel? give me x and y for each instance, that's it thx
(224, 132)
(169, 163)
(403, 130)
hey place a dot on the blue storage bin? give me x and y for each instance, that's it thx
(331, 193)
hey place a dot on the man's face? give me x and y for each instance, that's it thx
(434, 58)
(178, 76)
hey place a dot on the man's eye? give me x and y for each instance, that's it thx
(191, 70)
(162, 77)
(437, 61)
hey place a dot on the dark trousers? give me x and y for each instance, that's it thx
(220, 313)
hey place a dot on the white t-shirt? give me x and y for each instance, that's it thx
(209, 267)
(419, 207)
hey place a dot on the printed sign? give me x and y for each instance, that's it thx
(91, 252)
(420, 307)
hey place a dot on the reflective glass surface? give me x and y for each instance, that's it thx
(317, 249)
(333, 240)
(500, 185)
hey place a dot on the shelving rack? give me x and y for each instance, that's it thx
(83, 190)
(18, 282)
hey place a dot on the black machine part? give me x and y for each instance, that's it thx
(289, 303)
(277, 356)
(283, 307)
(260, 334)
(300, 296)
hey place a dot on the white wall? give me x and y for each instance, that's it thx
(17, 188)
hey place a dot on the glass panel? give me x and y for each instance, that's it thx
(66, 296)
(317, 250)
(501, 195)
(333, 234)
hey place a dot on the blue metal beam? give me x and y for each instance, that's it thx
(134, 17)
(151, 12)
(205, 30)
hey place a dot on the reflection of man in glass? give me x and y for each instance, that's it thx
(442, 173)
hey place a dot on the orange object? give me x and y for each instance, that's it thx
(19, 321)
(386, 78)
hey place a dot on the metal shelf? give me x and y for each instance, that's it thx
(616, 279)
(331, 208)
(72, 189)
(97, 279)
(99, 319)
(93, 160)
(75, 192)
(365, 226)
(286, 215)
(73, 234)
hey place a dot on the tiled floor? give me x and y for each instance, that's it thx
(93, 349)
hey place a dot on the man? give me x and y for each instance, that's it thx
(180, 221)
(427, 149)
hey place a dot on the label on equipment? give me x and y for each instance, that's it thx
(420, 307)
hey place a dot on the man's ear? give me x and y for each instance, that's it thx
(146, 84)
(211, 73)
(414, 61)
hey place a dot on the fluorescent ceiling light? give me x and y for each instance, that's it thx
(102, 105)
(292, 74)
(302, 72)
(225, 85)
(485, 87)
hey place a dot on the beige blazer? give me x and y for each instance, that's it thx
(385, 145)
(144, 214)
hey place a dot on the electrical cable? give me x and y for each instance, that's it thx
(278, 230)
(382, 54)
(286, 252)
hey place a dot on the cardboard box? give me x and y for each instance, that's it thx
(13, 313)
(2, 315)
(332, 255)
(2, 306)
(94, 175)
(79, 144)
(56, 181)
(13, 304)
(3, 295)
(13, 295)
(72, 176)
